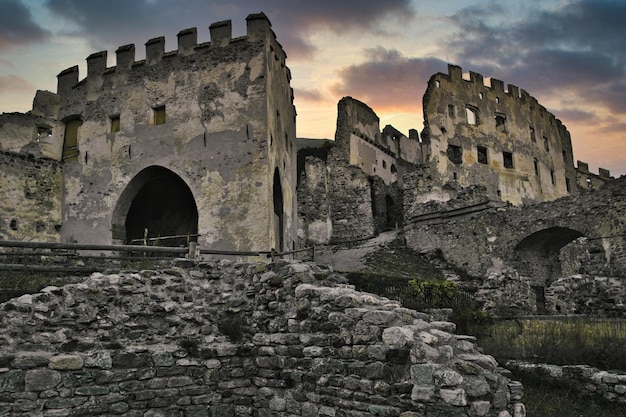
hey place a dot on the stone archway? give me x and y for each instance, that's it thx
(158, 201)
(537, 257)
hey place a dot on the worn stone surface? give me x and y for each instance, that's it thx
(288, 338)
(520, 254)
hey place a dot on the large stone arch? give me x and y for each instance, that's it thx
(160, 201)
(537, 257)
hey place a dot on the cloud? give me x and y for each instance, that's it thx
(308, 95)
(116, 22)
(17, 26)
(575, 51)
(388, 80)
(14, 83)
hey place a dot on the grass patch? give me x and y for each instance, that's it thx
(548, 400)
(569, 341)
(26, 282)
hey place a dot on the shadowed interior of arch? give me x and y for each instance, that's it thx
(159, 201)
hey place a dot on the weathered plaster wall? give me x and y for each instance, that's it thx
(539, 145)
(30, 198)
(167, 344)
(229, 125)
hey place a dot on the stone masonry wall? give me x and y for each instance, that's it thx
(30, 198)
(234, 339)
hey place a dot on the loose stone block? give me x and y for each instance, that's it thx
(457, 397)
(66, 362)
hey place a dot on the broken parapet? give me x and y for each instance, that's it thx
(258, 27)
(588, 180)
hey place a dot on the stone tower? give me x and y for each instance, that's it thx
(198, 141)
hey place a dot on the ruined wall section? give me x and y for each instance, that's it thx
(207, 112)
(588, 180)
(244, 340)
(529, 247)
(334, 201)
(501, 138)
(30, 173)
(30, 198)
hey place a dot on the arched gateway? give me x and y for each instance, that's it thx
(156, 203)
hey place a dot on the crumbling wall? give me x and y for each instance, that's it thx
(502, 138)
(227, 339)
(531, 246)
(30, 198)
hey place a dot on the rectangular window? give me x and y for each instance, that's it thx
(567, 185)
(532, 134)
(451, 111)
(564, 156)
(552, 178)
(159, 115)
(536, 167)
(507, 159)
(115, 123)
(455, 154)
(472, 118)
(70, 140)
(482, 155)
(546, 143)
(500, 123)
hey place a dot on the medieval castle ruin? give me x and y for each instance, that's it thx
(199, 144)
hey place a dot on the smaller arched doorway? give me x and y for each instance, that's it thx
(156, 204)
(277, 196)
(537, 257)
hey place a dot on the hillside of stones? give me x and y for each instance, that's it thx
(225, 338)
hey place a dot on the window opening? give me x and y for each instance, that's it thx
(536, 163)
(159, 115)
(532, 134)
(567, 185)
(472, 117)
(564, 156)
(482, 154)
(384, 164)
(552, 178)
(455, 154)
(393, 169)
(546, 144)
(501, 123)
(480, 96)
(43, 132)
(115, 123)
(70, 140)
(508, 159)
(451, 110)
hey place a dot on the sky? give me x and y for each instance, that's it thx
(569, 54)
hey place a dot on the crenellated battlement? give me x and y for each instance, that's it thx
(495, 90)
(258, 28)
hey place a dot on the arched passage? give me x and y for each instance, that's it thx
(278, 211)
(159, 201)
(537, 256)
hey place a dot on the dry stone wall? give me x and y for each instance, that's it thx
(238, 339)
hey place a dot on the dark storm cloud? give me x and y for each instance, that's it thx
(579, 46)
(17, 26)
(116, 22)
(388, 79)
